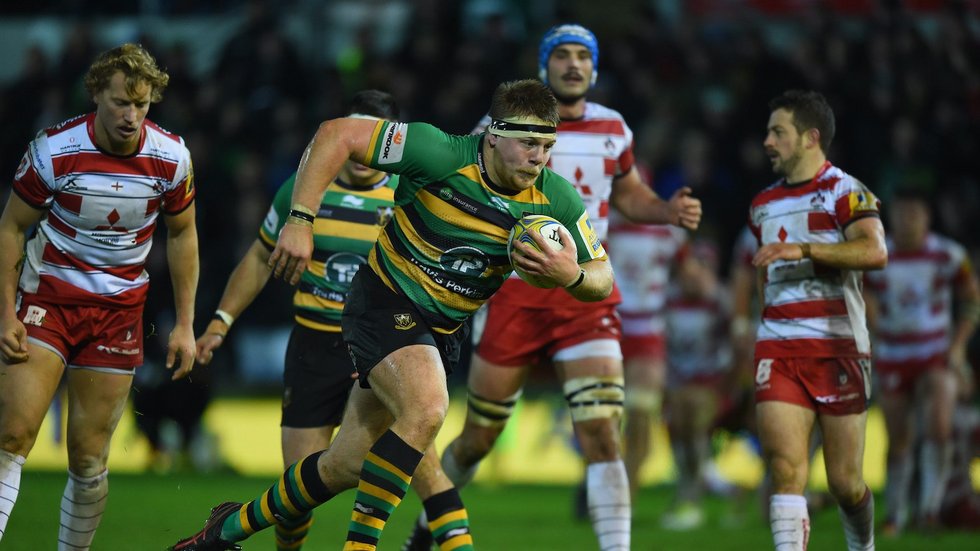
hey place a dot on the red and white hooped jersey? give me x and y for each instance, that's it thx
(811, 310)
(642, 257)
(697, 335)
(590, 153)
(91, 246)
(915, 299)
(746, 245)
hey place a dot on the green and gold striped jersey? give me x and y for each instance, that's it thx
(446, 246)
(344, 230)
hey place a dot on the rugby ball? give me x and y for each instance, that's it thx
(547, 227)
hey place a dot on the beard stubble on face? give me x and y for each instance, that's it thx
(567, 99)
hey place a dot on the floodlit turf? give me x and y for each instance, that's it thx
(151, 512)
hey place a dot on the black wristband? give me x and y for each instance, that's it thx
(581, 278)
(301, 215)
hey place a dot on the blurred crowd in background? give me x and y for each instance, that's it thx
(692, 78)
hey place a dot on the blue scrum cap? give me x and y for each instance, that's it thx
(564, 34)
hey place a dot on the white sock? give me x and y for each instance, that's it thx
(897, 490)
(608, 491)
(459, 475)
(81, 510)
(789, 521)
(936, 461)
(10, 467)
(859, 530)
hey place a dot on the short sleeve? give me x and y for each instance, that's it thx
(182, 191)
(34, 179)
(855, 201)
(278, 211)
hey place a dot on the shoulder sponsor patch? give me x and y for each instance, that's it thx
(22, 167)
(271, 221)
(590, 237)
(393, 143)
(863, 201)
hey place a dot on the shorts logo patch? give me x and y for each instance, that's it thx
(763, 371)
(35, 315)
(118, 350)
(404, 322)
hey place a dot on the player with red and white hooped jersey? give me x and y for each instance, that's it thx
(914, 295)
(646, 255)
(74, 237)
(92, 245)
(920, 353)
(818, 228)
(811, 310)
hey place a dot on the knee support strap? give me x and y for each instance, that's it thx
(594, 397)
(491, 413)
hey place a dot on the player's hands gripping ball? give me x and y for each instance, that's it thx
(542, 252)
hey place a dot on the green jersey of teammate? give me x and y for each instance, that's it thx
(446, 246)
(344, 231)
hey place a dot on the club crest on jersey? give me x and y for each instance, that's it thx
(404, 322)
(610, 146)
(816, 202)
(383, 215)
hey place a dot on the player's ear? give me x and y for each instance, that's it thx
(492, 140)
(813, 137)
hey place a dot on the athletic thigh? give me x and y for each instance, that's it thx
(316, 379)
(843, 452)
(898, 411)
(496, 382)
(784, 434)
(96, 401)
(25, 395)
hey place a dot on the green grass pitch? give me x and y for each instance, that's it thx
(149, 512)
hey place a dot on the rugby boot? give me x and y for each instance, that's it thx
(209, 538)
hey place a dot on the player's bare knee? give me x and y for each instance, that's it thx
(86, 465)
(787, 476)
(18, 439)
(599, 439)
(846, 487)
